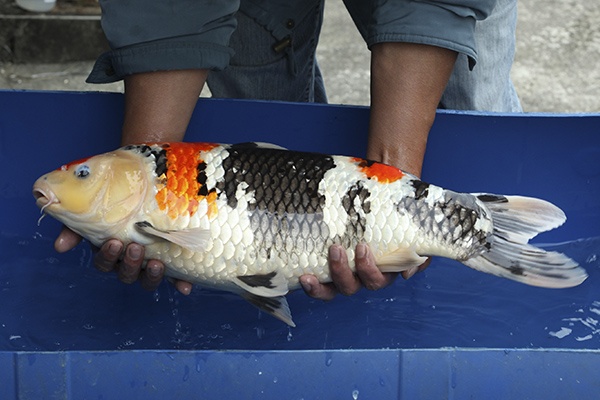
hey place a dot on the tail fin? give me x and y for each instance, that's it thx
(516, 220)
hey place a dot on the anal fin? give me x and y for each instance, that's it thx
(267, 292)
(276, 306)
(272, 284)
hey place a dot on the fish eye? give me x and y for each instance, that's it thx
(82, 171)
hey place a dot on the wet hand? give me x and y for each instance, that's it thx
(127, 263)
(345, 281)
(129, 266)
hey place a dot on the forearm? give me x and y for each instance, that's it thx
(407, 82)
(159, 105)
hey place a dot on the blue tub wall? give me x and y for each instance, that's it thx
(550, 156)
(342, 374)
(387, 344)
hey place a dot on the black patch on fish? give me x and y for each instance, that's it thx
(455, 226)
(276, 306)
(282, 182)
(286, 210)
(268, 304)
(201, 178)
(258, 280)
(367, 163)
(516, 269)
(160, 158)
(492, 198)
(356, 226)
(245, 145)
(356, 191)
(203, 191)
(421, 189)
(159, 153)
(459, 215)
(144, 224)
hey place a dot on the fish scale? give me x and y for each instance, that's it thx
(280, 184)
(450, 218)
(252, 218)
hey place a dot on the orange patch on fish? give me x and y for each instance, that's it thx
(382, 173)
(180, 193)
(66, 167)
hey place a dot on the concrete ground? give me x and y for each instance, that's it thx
(555, 70)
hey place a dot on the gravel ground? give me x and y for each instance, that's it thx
(555, 70)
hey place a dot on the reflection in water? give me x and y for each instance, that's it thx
(584, 324)
(60, 302)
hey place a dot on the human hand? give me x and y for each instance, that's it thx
(128, 267)
(345, 281)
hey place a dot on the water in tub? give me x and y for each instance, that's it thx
(62, 302)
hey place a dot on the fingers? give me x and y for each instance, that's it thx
(316, 289)
(371, 277)
(107, 257)
(152, 276)
(345, 281)
(183, 287)
(66, 240)
(129, 268)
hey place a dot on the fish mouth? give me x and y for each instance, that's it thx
(41, 198)
(44, 198)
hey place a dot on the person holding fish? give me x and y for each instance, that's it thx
(422, 56)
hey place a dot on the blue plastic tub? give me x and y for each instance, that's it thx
(68, 331)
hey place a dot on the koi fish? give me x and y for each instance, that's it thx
(252, 218)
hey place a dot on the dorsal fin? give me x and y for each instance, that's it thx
(257, 145)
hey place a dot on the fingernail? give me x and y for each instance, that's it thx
(306, 286)
(335, 253)
(361, 250)
(114, 249)
(59, 244)
(154, 270)
(185, 291)
(134, 252)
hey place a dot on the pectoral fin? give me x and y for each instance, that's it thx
(195, 239)
(400, 260)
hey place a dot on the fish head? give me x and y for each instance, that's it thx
(95, 197)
